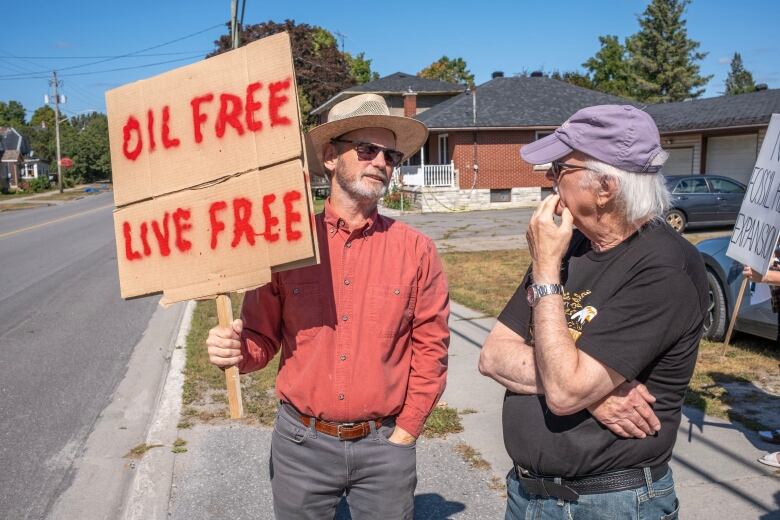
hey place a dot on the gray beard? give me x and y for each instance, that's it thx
(358, 190)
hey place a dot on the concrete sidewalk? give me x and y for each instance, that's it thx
(224, 473)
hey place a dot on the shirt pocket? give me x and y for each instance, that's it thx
(391, 308)
(303, 312)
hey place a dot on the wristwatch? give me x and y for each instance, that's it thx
(537, 291)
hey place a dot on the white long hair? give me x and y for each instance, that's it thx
(640, 196)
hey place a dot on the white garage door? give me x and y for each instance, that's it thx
(680, 161)
(732, 156)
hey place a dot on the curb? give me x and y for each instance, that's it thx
(150, 490)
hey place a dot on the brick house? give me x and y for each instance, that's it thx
(471, 159)
(478, 135)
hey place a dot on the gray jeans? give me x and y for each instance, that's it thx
(310, 471)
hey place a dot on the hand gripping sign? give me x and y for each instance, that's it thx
(210, 179)
(757, 227)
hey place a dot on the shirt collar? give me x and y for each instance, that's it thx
(333, 219)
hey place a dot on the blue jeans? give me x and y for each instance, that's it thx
(654, 503)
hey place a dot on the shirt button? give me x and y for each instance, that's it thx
(345, 317)
(341, 397)
(346, 282)
(349, 244)
(397, 292)
(343, 357)
(297, 290)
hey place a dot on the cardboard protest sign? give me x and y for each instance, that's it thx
(209, 171)
(758, 224)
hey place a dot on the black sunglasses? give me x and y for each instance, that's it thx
(368, 151)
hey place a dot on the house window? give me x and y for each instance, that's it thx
(444, 150)
(502, 195)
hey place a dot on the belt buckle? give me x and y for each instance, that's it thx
(343, 425)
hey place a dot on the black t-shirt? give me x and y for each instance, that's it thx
(638, 308)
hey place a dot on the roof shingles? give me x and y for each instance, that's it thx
(753, 109)
(516, 102)
(402, 82)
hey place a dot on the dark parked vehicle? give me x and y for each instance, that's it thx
(724, 277)
(703, 200)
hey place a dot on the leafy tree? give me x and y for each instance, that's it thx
(40, 134)
(360, 68)
(86, 143)
(43, 117)
(575, 78)
(445, 69)
(321, 69)
(12, 114)
(739, 80)
(663, 58)
(610, 68)
(41, 141)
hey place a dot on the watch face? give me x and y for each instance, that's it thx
(530, 296)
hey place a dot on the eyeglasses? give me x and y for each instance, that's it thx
(368, 151)
(557, 168)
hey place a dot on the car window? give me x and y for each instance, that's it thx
(692, 186)
(726, 186)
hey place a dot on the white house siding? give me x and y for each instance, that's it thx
(672, 142)
(732, 155)
(680, 161)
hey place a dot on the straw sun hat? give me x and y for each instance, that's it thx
(366, 111)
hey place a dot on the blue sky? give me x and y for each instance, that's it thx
(510, 36)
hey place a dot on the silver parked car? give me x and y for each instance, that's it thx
(703, 200)
(724, 276)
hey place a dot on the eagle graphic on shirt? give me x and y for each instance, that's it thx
(577, 314)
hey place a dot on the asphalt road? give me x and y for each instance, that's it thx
(65, 339)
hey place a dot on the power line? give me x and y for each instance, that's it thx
(111, 56)
(127, 55)
(16, 76)
(144, 50)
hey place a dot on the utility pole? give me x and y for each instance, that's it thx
(54, 83)
(234, 22)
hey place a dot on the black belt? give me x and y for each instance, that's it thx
(571, 489)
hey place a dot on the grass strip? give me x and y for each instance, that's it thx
(204, 393)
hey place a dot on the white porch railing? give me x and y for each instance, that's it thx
(429, 175)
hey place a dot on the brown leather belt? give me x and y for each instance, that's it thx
(343, 431)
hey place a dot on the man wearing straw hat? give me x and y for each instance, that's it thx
(363, 335)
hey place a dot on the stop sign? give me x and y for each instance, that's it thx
(66, 162)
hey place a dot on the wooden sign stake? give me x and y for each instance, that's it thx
(733, 321)
(225, 315)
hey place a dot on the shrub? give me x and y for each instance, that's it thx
(38, 184)
(69, 182)
(393, 199)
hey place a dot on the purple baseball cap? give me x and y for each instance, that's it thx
(620, 135)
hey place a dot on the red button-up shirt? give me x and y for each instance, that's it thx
(363, 334)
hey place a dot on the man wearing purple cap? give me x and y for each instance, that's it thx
(617, 302)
